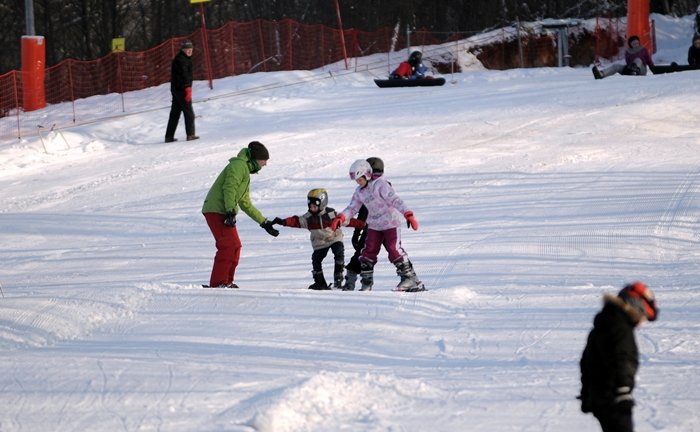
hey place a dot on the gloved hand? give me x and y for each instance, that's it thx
(279, 221)
(623, 399)
(337, 222)
(411, 221)
(356, 238)
(230, 219)
(188, 94)
(267, 226)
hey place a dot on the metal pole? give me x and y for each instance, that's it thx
(29, 17)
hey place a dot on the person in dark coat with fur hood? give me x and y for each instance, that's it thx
(610, 359)
(694, 52)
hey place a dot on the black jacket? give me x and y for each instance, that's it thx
(611, 357)
(181, 72)
(693, 56)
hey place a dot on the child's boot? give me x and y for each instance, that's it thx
(319, 281)
(338, 275)
(350, 280)
(409, 281)
(367, 277)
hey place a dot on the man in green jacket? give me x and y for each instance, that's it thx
(229, 191)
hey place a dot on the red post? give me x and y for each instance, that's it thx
(342, 35)
(33, 72)
(205, 42)
(638, 22)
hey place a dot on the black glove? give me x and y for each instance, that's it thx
(623, 399)
(279, 221)
(230, 219)
(267, 226)
(356, 238)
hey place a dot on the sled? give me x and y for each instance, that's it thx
(420, 82)
(673, 67)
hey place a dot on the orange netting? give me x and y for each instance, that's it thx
(235, 48)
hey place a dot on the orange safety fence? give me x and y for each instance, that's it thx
(235, 48)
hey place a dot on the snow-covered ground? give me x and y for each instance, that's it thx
(536, 190)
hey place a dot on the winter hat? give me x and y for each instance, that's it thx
(631, 39)
(640, 298)
(186, 44)
(258, 151)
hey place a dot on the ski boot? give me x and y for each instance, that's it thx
(597, 74)
(367, 277)
(350, 279)
(319, 281)
(338, 275)
(409, 281)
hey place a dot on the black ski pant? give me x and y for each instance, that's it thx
(319, 254)
(180, 106)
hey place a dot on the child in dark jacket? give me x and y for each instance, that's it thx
(610, 359)
(318, 221)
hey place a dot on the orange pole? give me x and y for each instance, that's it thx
(638, 22)
(33, 72)
(205, 42)
(342, 35)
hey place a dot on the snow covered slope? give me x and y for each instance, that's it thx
(536, 191)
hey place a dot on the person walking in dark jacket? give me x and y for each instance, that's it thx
(694, 52)
(610, 359)
(181, 89)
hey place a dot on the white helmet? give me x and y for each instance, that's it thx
(361, 168)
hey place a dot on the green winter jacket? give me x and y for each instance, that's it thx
(231, 188)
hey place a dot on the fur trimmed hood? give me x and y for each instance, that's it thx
(635, 315)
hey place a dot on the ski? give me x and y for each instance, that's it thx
(231, 286)
(418, 288)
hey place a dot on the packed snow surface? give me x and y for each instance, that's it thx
(536, 190)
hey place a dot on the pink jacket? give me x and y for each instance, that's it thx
(385, 208)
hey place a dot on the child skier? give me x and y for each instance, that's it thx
(412, 68)
(358, 237)
(384, 209)
(318, 221)
(610, 358)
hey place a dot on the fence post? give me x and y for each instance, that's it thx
(70, 86)
(520, 42)
(120, 78)
(14, 84)
(233, 59)
(262, 45)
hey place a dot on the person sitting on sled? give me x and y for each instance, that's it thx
(412, 68)
(359, 236)
(637, 59)
(318, 221)
(384, 210)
